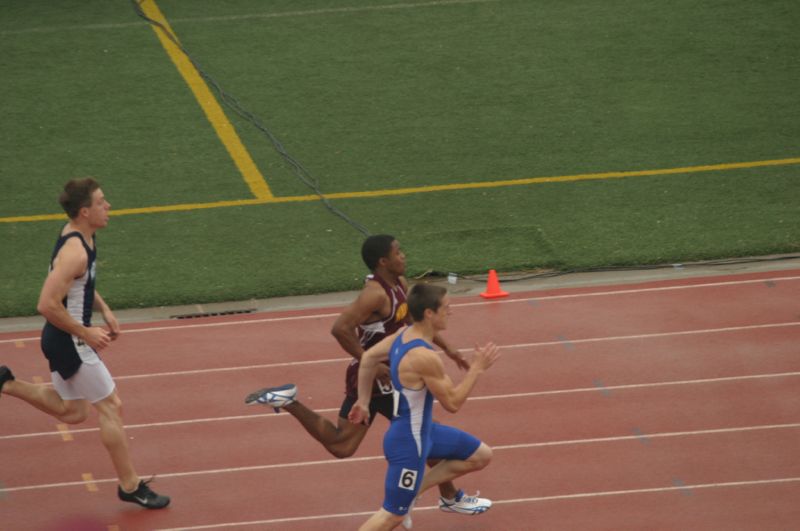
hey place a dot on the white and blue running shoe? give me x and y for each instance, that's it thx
(275, 397)
(464, 504)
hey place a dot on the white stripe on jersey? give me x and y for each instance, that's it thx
(77, 294)
(415, 398)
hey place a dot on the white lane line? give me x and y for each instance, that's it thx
(631, 291)
(237, 368)
(512, 346)
(655, 335)
(607, 388)
(301, 464)
(457, 305)
(129, 427)
(774, 481)
(638, 436)
(271, 415)
(578, 495)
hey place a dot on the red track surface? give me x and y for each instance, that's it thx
(667, 405)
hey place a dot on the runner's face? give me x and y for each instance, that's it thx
(442, 315)
(98, 210)
(396, 261)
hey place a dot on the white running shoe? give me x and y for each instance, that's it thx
(275, 397)
(464, 504)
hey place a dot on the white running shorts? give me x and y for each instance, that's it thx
(92, 382)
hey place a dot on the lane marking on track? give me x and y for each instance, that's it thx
(601, 387)
(88, 480)
(63, 430)
(510, 347)
(609, 388)
(638, 437)
(238, 368)
(632, 291)
(604, 389)
(685, 489)
(653, 335)
(641, 435)
(303, 464)
(456, 305)
(651, 490)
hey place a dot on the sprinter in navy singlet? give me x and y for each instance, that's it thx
(70, 341)
(65, 352)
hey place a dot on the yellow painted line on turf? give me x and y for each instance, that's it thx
(563, 178)
(20, 344)
(38, 380)
(424, 189)
(222, 126)
(63, 429)
(88, 479)
(113, 527)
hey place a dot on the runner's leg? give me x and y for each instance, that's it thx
(341, 439)
(112, 433)
(382, 520)
(450, 469)
(46, 399)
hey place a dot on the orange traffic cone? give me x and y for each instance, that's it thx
(493, 290)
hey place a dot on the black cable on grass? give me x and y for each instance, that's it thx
(311, 182)
(227, 99)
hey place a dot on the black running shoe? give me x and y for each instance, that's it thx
(5, 376)
(144, 496)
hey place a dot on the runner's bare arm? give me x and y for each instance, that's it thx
(360, 311)
(452, 353)
(101, 306)
(375, 356)
(69, 264)
(430, 368)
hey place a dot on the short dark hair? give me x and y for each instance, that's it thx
(376, 247)
(424, 297)
(77, 194)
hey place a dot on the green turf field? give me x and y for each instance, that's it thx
(675, 124)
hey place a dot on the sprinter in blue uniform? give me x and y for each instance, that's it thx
(418, 377)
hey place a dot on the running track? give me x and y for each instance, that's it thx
(666, 405)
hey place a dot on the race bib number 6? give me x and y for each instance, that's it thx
(408, 479)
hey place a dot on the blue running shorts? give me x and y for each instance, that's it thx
(407, 467)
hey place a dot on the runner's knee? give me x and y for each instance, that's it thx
(343, 449)
(75, 415)
(347, 440)
(110, 407)
(482, 456)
